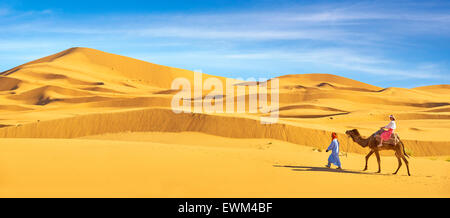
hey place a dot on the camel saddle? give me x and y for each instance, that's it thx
(394, 140)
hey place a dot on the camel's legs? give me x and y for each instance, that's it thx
(399, 162)
(407, 164)
(378, 159)
(367, 158)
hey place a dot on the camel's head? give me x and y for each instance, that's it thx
(353, 132)
(356, 137)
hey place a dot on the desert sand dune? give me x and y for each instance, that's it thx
(439, 89)
(9, 84)
(83, 92)
(83, 81)
(325, 80)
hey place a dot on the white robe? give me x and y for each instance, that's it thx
(334, 156)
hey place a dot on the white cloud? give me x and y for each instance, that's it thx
(346, 60)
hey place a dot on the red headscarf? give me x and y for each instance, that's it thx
(333, 135)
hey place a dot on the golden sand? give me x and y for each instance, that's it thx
(102, 125)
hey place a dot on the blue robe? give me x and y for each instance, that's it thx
(334, 156)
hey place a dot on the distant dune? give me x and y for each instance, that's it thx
(438, 89)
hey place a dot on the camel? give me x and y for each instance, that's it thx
(372, 143)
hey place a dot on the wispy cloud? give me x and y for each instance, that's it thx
(343, 59)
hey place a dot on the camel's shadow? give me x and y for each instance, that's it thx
(325, 169)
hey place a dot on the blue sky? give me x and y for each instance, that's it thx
(402, 44)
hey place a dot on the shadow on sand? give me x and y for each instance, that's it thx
(324, 169)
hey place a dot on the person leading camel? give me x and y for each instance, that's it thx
(386, 135)
(334, 148)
